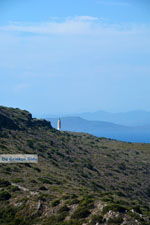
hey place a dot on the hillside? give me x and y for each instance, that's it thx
(104, 129)
(79, 179)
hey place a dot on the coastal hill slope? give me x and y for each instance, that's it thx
(79, 179)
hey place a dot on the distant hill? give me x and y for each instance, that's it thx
(132, 118)
(79, 179)
(104, 129)
(79, 124)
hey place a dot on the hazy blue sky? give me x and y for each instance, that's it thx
(67, 56)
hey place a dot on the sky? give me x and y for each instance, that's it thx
(67, 56)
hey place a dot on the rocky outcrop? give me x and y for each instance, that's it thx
(39, 123)
(17, 119)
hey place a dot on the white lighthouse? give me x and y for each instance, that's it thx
(59, 124)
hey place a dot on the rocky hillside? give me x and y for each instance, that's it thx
(79, 179)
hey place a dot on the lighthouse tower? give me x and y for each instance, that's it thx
(59, 124)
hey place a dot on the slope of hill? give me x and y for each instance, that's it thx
(79, 179)
(104, 129)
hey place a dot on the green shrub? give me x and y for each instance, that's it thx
(81, 212)
(55, 219)
(14, 188)
(37, 169)
(43, 188)
(7, 170)
(64, 208)
(4, 195)
(137, 209)
(69, 196)
(135, 215)
(4, 183)
(114, 207)
(72, 201)
(45, 197)
(55, 202)
(18, 180)
(44, 180)
(96, 219)
(87, 201)
(7, 214)
(30, 143)
(115, 220)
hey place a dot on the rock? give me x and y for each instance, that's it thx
(16, 119)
